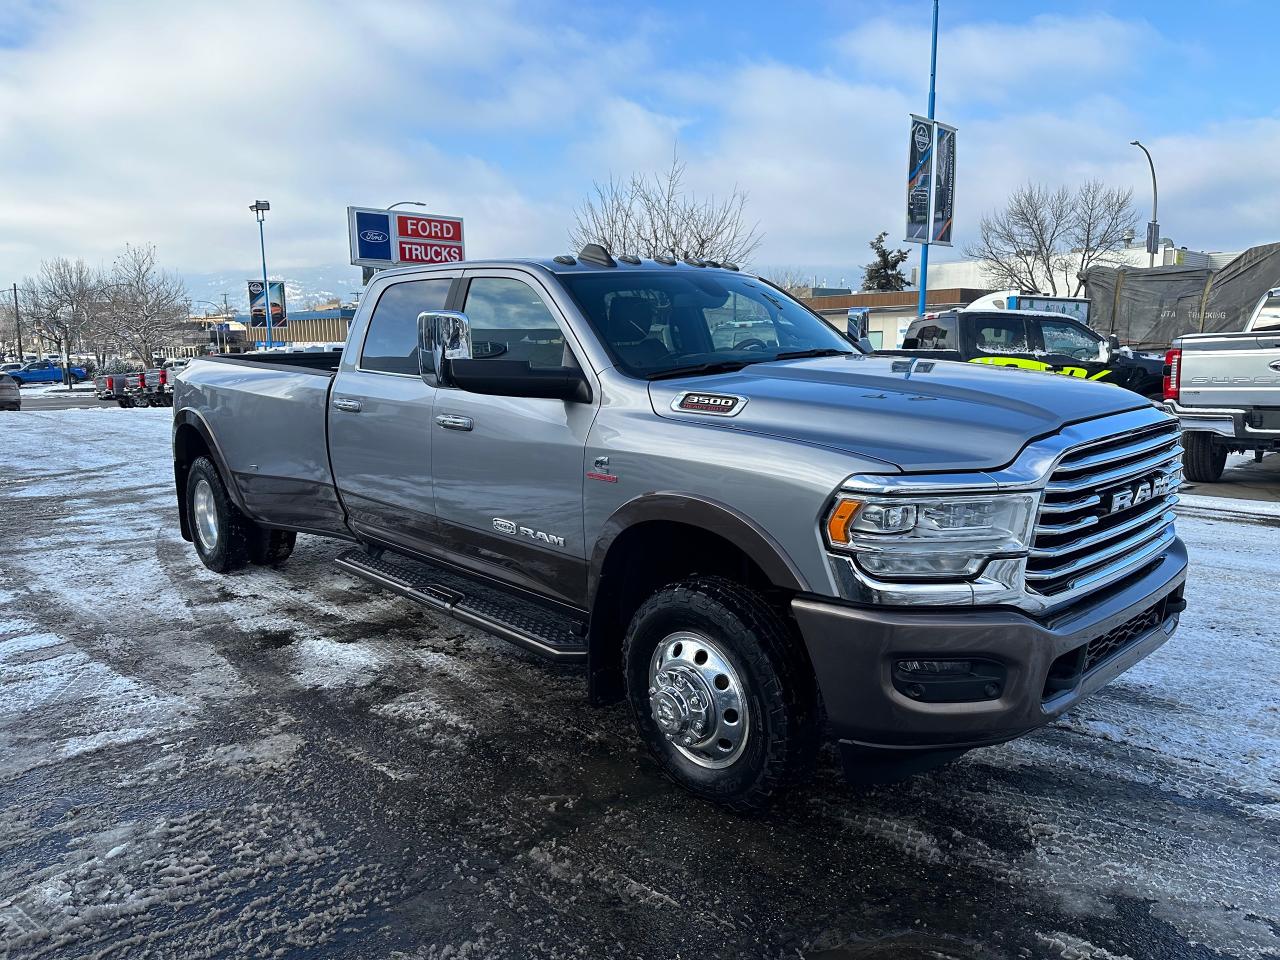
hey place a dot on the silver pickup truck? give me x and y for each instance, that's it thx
(738, 520)
(1224, 388)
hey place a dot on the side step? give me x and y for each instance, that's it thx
(477, 602)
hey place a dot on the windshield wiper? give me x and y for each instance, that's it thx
(717, 366)
(804, 354)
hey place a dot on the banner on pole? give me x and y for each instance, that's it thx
(944, 183)
(257, 308)
(919, 180)
(931, 181)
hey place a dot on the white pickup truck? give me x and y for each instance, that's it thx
(1224, 389)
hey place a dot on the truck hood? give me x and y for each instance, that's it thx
(919, 415)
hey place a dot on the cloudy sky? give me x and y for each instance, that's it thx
(159, 121)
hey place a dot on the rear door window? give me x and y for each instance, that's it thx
(999, 335)
(938, 333)
(391, 345)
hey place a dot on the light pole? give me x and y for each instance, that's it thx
(924, 247)
(17, 322)
(259, 208)
(216, 339)
(401, 203)
(1154, 226)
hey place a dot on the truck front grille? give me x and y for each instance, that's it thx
(1107, 512)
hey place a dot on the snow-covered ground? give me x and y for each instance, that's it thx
(292, 763)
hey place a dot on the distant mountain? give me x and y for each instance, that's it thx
(304, 287)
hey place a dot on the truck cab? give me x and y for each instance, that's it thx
(1032, 340)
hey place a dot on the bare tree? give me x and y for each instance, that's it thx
(1046, 235)
(60, 302)
(791, 279)
(652, 216)
(1103, 215)
(146, 305)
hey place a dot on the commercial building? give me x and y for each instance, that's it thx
(950, 274)
(306, 328)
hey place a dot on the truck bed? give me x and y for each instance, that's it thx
(269, 413)
(1230, 369)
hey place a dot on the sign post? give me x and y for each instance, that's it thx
(383, 238)
(920, 186)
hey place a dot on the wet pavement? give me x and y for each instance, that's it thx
(292, 763)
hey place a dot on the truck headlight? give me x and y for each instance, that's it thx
(931, 538)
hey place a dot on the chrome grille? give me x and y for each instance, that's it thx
(1096, 523)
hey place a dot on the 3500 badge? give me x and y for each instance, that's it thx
(716, 404)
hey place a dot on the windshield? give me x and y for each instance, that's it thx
(659, 323)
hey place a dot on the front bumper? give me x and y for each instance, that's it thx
(1230, 422)
(854, 651)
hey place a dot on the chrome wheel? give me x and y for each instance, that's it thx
(205, 513)
(698, 699)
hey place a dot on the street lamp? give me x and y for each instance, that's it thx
(223, 315)
(259, 208)
(401, 203)
(1153, 228)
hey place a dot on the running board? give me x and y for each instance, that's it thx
(475, 602)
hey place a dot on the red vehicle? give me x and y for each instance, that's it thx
(258, 315)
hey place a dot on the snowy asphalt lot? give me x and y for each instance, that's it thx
(290, 763)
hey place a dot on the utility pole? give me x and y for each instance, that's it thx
(17, 322)
(924, 247)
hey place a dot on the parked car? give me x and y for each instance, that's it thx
(46, 371)
(9, 367)
(10, 395)
(1224, 388)
(753, 542)
(1031, 340)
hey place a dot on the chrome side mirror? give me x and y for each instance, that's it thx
(442, 335)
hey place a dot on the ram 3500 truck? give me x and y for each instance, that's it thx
(1032, 340)
(679, 476)
(1224, 388)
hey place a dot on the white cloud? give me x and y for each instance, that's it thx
(992, 61)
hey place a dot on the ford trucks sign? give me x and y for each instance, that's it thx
(387, 238)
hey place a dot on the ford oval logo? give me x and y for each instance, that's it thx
(1274, 365)
(373, 236)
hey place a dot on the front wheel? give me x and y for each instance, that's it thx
(720, 692)
(1203, 460)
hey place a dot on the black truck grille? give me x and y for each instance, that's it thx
(1107, 512)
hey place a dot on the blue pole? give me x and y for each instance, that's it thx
(924, 247)
(266, 286)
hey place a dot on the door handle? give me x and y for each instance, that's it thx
(347, 403)
(451, 422)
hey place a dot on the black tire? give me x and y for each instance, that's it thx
(228, 544)
(778, 690)
(270, 548)
(1202, 459)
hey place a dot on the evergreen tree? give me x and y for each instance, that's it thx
(884, 273)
